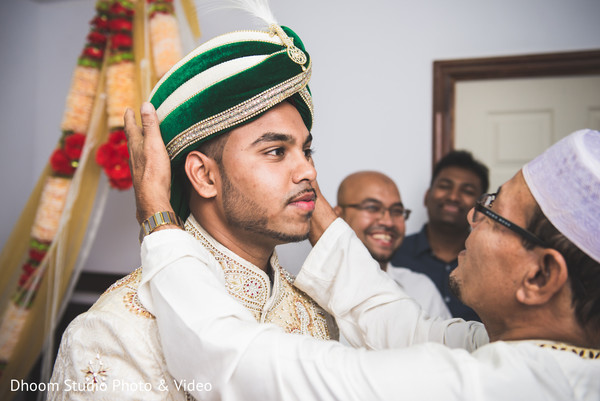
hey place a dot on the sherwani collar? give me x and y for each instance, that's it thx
(244, 280)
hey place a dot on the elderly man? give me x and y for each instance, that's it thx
(531, 269)
(370, 203)
(235, 116)
(457, 181)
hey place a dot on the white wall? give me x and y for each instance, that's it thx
(372, 87)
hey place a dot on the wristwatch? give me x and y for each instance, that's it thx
(157, 220)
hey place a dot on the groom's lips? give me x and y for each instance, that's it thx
(305, 200)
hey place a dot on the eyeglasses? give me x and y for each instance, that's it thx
(483, 205)
(373, 208)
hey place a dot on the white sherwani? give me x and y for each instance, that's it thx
(420, 287)
(446, 360)
(113, 351)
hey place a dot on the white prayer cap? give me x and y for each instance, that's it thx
(565, 182)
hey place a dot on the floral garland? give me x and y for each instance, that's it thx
(164, 35)
(110, 38)
(65, 159)
(113, 156)
(64, 162)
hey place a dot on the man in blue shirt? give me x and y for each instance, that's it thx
(458, 180)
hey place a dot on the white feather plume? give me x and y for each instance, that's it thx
(257, 8)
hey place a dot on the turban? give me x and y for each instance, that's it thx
(224, 83)
(565, 182)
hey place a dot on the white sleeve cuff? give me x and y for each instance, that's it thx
(167, 248)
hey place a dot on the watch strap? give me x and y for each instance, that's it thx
(157, 220)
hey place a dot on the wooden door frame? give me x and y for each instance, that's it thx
(446, 73)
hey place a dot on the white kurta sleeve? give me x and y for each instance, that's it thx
(369, 307)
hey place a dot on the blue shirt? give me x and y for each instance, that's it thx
(415, 253)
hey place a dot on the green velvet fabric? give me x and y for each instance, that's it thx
(229, 93)
(209, 59)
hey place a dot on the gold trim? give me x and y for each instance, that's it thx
(585, 353)
(239, 113)
(134, 305)
(244, 284)
(128, 279)
(305, 95)
(294, 53)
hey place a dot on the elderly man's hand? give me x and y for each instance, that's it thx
(322, 217)
(149, 163)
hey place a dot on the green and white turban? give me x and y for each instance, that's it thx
(227, 82)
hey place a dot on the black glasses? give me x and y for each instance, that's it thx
(373, 208)
(483, 205)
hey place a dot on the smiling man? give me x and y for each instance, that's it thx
(235, 117)
(370, 203)
(456, 183)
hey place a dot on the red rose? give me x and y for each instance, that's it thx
(120, 40)
(113, 156)
(122, 184)
(122, 151)
(118, 171)
(119, 176)
(74, 145)
(100, 22)
(93, 52)
(60, 163)
(103, 154)
(28, 271)
(96, 38)
(117, 25)
(117, 137)
(36, 255)
(107, 155)
(118, 9)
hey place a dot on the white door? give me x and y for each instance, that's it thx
(507, 122)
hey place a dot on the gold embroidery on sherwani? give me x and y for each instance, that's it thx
(293, 310)
(585, 353)
(249, 287)
(133, 276)
(134, 305)
(130, 299)
(95, 373)
(287, 307)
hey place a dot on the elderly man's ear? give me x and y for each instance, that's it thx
(544, 279)
(202, 171)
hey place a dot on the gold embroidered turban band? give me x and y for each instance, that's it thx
(225, 83)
